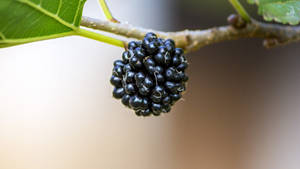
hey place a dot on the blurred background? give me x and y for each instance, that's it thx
(241, 110)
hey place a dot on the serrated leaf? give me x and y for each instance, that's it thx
(23, 21)
(283, 11)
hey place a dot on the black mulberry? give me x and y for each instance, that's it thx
(151, 77)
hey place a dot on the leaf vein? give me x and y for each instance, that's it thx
(59, 7)
(26, 40)
(77, 12)
(2, 36)
(44, 11)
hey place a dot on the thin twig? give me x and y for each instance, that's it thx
(240, 10)
(193, 39)
(107, 12)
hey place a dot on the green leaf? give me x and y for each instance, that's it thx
(23, 21)
(283, 11)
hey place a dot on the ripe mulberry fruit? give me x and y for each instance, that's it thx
(151, 77)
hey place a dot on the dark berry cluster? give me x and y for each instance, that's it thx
(151, 75)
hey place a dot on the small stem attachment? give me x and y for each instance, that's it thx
(107, 12)
(99, 37)
(240, 10)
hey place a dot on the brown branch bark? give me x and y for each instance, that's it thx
(190, 40)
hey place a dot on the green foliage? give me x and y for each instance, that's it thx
(23, 21)
(283, 11)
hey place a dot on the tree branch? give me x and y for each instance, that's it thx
(191, 40)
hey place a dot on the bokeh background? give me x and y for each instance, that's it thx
(241, 110)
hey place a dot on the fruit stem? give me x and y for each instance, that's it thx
(107, 12)
(240, 10)
(99, 37)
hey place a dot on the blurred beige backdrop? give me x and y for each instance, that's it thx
(241, 110)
